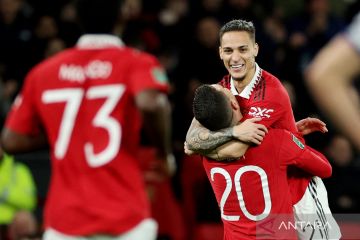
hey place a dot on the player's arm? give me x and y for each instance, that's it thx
(202, 141)
(155, 108)
(13, 142)
(229, 151)
(313, 163)
(22, 132)
(294, 152)
(309, 125)
(330, 81)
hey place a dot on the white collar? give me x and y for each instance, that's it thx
(249, 88)
(98, 41)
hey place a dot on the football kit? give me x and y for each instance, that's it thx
(254, 190)
(84, 99)
(266, 97)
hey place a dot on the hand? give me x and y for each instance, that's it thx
(310, 125)
(187, 151)
(249, 131)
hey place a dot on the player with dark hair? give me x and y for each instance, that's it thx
(210, 103)
(263, 100)
(89, 104)
(261, 193)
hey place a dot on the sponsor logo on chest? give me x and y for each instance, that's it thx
(260, 112)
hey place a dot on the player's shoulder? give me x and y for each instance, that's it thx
(138, 55)
(225, 81)
(272, 86)
(48, 63)
(270, 78)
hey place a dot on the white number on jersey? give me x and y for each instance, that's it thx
(238, 189)
(73, 98)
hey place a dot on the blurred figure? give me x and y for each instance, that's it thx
(17, 197)
(45, 30)
(17, 188)
(15, 32)
(53, 47)
(330, 79)
(308, 32)
(8, 90)
(161, 194)
(343, 197)
(88, 104)
(69, 29)
(24, 226)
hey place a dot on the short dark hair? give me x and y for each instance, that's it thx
(238, 25)
(97, 16)
(212, 108)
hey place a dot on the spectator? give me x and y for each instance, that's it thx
(17, 194)
(17, 188)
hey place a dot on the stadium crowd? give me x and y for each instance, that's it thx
(183, 34)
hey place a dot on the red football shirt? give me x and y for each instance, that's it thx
(254, 190)
(84, 100)
(266, 97)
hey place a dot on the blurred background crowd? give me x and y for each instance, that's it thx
(184, 36)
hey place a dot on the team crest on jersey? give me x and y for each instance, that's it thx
(298, 142)
(159, 75)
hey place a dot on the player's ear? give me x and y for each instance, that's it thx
(220, 53)
(235, 104)
(256, 48)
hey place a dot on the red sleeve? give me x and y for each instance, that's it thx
(23, 117)
(147, 73)
(294, 152)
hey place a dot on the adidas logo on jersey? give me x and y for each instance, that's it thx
(260, 112)
(93, 70)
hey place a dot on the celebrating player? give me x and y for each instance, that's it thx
(253, 190)
(264, 102)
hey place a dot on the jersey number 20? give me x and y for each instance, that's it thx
(238, 189)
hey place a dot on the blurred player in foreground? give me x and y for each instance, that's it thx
(88, 103)
(330, 78)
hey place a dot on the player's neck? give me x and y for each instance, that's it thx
(240, 84)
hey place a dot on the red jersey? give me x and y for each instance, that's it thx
(266, 97)
(254, 189)
(83, 98)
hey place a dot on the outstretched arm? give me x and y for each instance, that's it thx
(314, 163)
(310, 125)
(294, 152)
